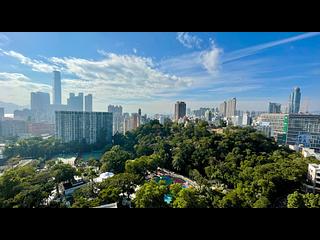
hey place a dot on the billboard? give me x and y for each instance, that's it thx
(304, 139)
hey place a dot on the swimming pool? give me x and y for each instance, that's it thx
(168, 198)
(171, 180)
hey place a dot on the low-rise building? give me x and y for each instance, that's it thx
(313, 178)
(13, 128)
(70, 188)
(308, 152)
(265, 128)
(278, 124)
(103, 176)
(110, 205)
(39, 129)
(304, 129)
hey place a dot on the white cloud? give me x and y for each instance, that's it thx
(131, 79)
(241, 53)
(16, 88)
(4, 40)
(188, 40)
(215, 57)
(235, 89)
(118, 77)
(36, 65)
(113, 78)
(195, 62)
(211, 59)
(135, 50)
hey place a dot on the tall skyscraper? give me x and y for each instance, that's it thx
(91, 127)
(180, 109)
(223, 109)
(56, 88)
(135, 120)
(40, 101)
(126, 124)
(117, 118)
(88, 103)
(131, 122)
(208, 115)
(141, 118)
(231, 108)
(294, 100)
(274, 107)
(75, 103)
(246, 119)
(1, 114)
(24, 115)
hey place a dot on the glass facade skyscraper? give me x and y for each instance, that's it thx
(294, 100)
(305, 130)
(274, 107)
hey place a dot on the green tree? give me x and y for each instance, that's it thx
(24, 187)
(62, 173)
(109, 194)
(181, 156)
(299, 200)
(262, 202)
(89, 173)
(122, 183)
(312, 200)
(93, 163)
(174, 190)
(151, 195)
(189, 198)
(295, 200)
(114, 160)
(86, 197)
(143, 165)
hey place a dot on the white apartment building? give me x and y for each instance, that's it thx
(90, 127)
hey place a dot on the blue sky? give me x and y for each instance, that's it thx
(153, 70)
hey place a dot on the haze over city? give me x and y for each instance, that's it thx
(153, 70)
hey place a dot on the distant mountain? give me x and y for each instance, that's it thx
(10, 107)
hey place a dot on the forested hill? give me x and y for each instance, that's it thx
(238, 168)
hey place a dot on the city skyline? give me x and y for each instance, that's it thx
(201, 69)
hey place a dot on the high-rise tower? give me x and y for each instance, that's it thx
(56, 88)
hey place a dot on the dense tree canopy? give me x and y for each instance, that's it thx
(255, 171)
(151, 195)
(37, 147)
(24, 187)
(189, 198)
(299, 200)
(143, 165)
(239, 168)
(114, 189)
(114, 160)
